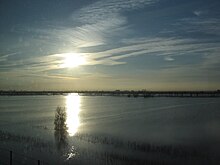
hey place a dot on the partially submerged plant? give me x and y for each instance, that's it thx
(60, 119)
(60, 128)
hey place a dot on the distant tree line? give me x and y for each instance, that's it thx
(128, 93)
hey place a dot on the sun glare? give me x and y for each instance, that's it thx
(72, 60)
(73, 104)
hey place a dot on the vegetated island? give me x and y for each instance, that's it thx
(125, 93)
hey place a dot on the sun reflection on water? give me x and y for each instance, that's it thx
(73, 104)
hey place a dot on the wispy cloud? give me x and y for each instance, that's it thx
(91, 26)
(209, 26)
(197, 12)
(100, 21)
(158, 46)
(106, 9)
(3, 57)
(168, 58)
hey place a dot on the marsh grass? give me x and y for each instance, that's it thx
(27, 145)
(120, 152)
(30, 141)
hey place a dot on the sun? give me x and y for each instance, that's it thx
(72, 60)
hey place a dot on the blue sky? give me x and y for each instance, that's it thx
(133, 44)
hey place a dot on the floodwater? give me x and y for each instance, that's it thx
(110, 130)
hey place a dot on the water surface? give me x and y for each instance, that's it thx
(106, 130)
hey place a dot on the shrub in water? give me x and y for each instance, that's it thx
(60, 128)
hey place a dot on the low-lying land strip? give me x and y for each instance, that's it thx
(126, 93)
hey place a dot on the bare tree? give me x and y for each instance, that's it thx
(60, 128)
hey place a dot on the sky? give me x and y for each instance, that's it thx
(109, 44)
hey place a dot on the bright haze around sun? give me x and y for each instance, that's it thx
(72, 60)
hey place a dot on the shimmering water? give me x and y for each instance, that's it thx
(110, 130)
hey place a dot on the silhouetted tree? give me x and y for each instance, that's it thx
(60, 128)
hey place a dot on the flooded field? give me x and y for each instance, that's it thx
(110, 130)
